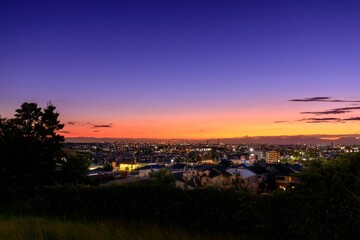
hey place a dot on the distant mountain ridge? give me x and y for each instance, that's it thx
(344, 139)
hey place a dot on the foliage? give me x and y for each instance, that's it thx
(40, 228)
(75, 169)
(338, 178)
(162, 178)
(108, 167)
(335, 185)
(30, 147)
(30, 150)
(290, 214)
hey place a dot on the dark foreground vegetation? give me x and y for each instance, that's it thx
(296, 214)
(35, 180)
(40, 228)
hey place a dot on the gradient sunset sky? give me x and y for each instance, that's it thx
(184, 68)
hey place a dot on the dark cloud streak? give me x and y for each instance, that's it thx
(102, 126)
(323, 119)
(352, 119)
(90, 124)
(62, 131)
(280, 121)
(333, 111)
(322, 99)
(329, 120)
(320, 120)
(313, 99)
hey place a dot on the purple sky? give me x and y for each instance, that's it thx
(125, 62)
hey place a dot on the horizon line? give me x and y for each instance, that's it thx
(215, 138)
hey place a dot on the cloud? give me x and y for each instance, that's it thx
(334, 120)
(92, 125)
(320, 120)
(333, 111)
(348, 108)
(102, 125)
(76, 123)
(61, 131)
(324, 119)
(322, 99)
(313, 99)
(280, 121)
(352, 119)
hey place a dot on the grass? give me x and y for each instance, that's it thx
(41, 228)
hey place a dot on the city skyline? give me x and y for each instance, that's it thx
(185, 69)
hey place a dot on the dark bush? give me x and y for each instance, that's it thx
(285, 214)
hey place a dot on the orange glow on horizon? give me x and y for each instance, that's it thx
(203, 124)
(208, 130)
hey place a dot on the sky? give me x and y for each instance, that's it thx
(184, 69)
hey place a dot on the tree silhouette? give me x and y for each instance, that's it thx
(30, 147)
(162, 178)
(75, 169)
(338, 178)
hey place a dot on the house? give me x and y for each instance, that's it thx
(181, 181)
(217, 177)
(246, 175)
(144, 171)
(262, 175)
(208, 175)
(283, 175)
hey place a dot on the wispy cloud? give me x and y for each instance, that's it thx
(352, 119)
(62, 131)
(320, 120)
(102, 125)
(326, 112)
(313, 99)
(89, 124)
(322, 99)
(329, 120)
(348, 108)
(77, 123)
(325, 119)
(333, 111)
(280, 121)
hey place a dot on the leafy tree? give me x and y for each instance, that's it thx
(162, 178)
(339, 177)
(332, 187)
(75, 169)
(30, 147)
(108, 167)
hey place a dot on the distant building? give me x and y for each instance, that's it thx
(272, 156)
(259, 155)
